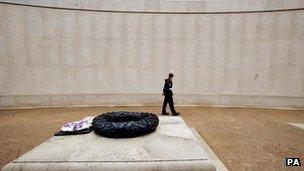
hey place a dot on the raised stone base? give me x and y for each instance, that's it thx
(172, 147)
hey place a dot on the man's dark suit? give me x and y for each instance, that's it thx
(167, 90)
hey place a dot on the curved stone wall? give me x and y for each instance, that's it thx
(168, 5)
(61, 57)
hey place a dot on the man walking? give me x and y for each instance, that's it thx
(167, 92)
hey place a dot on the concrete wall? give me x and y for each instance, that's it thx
(169, 5)
(59, 57)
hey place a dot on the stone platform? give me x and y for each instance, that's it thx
(172, 146)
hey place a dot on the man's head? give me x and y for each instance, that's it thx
(171, 75)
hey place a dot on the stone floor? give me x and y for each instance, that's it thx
(244, 139)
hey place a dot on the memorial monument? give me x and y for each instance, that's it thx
(170, 146)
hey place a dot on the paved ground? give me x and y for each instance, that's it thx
(244, 139)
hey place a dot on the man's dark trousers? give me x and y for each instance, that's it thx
(168, 99)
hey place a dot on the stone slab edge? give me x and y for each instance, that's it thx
(215, 160)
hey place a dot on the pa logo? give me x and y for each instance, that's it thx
(293, 162)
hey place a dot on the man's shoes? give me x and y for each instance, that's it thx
(176, 114)
(165, 113)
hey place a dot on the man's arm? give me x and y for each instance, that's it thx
(166, 87)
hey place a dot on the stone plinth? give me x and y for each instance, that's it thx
(172, 147)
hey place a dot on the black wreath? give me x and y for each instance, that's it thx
(124, 124)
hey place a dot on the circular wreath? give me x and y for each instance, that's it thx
(124, 124)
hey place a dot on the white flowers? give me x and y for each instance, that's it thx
(83, 124)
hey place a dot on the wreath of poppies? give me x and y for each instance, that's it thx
(125, 124)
